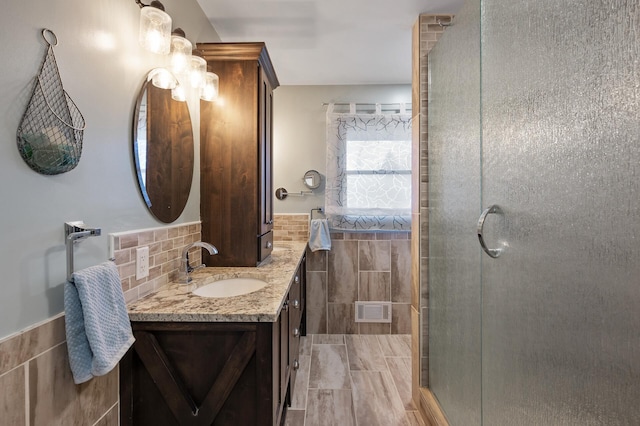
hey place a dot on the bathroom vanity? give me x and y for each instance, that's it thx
(222, 361)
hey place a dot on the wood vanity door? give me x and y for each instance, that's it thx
(199, 374)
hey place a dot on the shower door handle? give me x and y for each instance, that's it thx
(494, 209)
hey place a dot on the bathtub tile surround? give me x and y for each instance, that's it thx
(35, 366)
(165, 251)
(365, 266)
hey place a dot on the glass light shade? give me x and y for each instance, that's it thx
(162, 78)
(209, 90)
(155, 30)
(178, 94)
(197, 70)
(180, 54)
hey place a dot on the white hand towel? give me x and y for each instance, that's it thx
(319, 236)
(96, 321)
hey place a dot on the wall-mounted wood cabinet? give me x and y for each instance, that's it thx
(236, 155)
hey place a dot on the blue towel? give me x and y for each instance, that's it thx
(96, 321)
(319, 236)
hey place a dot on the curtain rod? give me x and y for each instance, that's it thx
(366, 103)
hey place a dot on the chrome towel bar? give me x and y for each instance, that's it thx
(75, 232)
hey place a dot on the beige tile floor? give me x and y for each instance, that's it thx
(353, 380)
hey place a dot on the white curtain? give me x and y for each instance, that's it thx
(368, 185)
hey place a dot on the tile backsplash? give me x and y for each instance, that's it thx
(290, 227)
(165, 251)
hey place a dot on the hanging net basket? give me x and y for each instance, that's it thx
(50, 133)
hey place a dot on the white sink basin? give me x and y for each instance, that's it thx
(230, 287)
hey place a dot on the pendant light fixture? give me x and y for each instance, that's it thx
(178, 94)
(156, 36)
(162, 78)
(180, 52)
(155, 27)
(209, 90)
(197, 70)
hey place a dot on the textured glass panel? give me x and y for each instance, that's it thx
(454, 207)
(561, 156)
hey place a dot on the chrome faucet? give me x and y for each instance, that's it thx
(186, 268)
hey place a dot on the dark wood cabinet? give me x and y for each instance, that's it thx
(186, 373)
(296, 324)
(236, 175)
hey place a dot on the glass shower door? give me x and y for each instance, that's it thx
(454, 340)
(561, 157)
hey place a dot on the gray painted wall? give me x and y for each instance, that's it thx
(102, 69)
(299, 133)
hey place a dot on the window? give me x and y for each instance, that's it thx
(379, 174)
(368, 171)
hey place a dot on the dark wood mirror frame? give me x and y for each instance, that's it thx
(163, 152)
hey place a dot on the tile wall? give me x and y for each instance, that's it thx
(36, 386)
(360, 267)
(369, 266)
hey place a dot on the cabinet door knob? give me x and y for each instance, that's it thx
(297, 279)
(296, 304)
(296, 332)
(296, 364)
(285, 307)
(269, 244)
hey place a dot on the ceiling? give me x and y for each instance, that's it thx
(328, 42)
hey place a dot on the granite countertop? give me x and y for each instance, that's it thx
(175, 302)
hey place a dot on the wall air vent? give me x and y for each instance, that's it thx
(373, 312)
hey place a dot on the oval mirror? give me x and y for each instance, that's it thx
(163, 151)
(312, 179)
